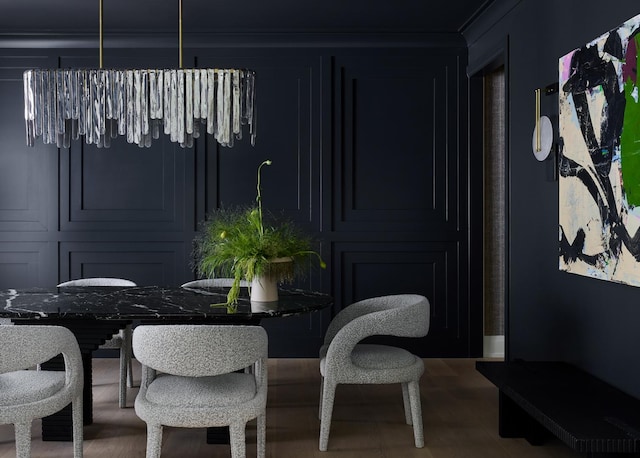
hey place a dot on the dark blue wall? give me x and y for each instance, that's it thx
(553, 315)
(368, 142)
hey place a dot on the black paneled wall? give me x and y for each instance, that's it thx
(369, 154)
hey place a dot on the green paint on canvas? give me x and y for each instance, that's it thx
(630, 143)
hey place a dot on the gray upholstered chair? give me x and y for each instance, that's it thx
(211, 283)
(344, 360)
(190, 380)
(29, 394)
(120, 341)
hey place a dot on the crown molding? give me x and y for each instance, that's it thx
(490, 16)
(147, 40)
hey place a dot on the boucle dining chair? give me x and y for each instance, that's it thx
(120, 341)
(27, 394)
(192, 378)
(343, 360)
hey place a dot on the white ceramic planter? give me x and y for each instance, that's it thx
(265, 288)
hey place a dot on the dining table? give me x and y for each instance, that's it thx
(95, 313)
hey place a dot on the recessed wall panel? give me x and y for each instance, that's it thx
(23, 265)
(25, 184)
(367, 270)
(122, 188)
(288, 130)
(396, 141)
(144, 263)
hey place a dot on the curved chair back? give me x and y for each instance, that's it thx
(199, 350)
(97, 281)
(24, 347)
(30, 394)
(121, 341)
(344, 359)
(400, 315)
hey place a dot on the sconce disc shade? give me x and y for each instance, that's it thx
(61, 105)
(546, 139)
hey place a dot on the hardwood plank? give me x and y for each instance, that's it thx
(460, 414)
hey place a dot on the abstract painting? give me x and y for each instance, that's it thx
(599, 165)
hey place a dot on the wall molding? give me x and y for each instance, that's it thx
(150, 39)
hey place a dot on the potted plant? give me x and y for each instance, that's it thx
(247, 244)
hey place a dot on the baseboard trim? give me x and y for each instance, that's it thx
(493, 347)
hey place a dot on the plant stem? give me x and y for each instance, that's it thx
(259, 196)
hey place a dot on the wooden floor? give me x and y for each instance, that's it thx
(460, 411)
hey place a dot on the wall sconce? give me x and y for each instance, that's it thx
(542, 133)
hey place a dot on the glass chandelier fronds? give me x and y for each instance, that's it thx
(99, 104)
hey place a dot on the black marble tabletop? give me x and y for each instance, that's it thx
(150, 303)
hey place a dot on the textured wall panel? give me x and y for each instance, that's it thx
(25, 185)
(288, 100)
(23, 265)
(396, 158)
(122, 188)
(144, 263)
(429, 268)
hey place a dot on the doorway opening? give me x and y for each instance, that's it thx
(489, 188)
(494, 240)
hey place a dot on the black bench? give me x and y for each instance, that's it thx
(587, 414)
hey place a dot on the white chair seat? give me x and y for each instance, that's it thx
(214, 391)
(371, 356)
(23, 387)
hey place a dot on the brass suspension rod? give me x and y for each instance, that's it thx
(101, 45)
(180, 33)
(101, 42)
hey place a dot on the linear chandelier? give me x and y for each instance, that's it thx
(61, 105)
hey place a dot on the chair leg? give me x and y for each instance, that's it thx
(122, 383)
(416, 413)
(154, 440)
(78, 426)
(237, 440)
(262, 435)
(320, 404)
(23, 439)
(130, 372)
(328, 395)
(407, 403)
(128, 334)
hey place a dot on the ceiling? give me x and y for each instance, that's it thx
(363, 16)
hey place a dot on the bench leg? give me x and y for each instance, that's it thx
(515, 422)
